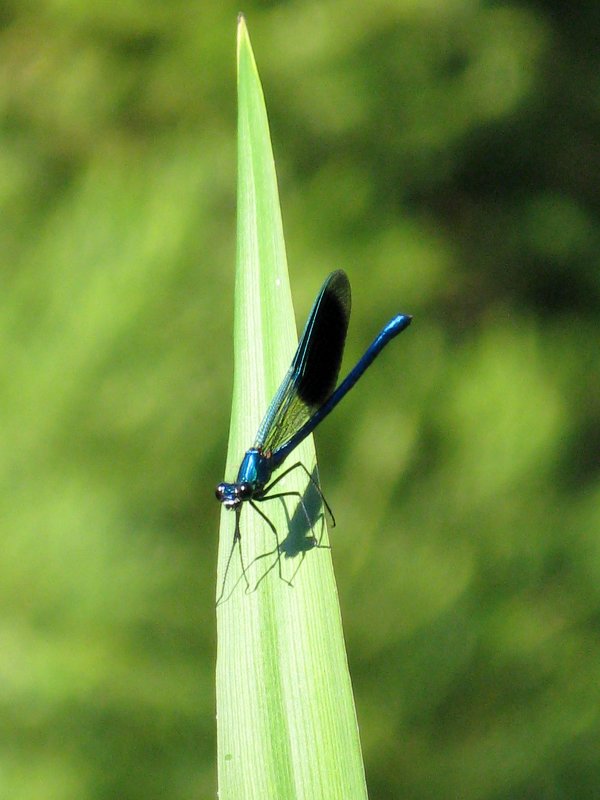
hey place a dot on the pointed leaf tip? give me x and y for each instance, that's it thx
(242, 30)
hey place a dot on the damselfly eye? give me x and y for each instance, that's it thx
(219, 491)
(244, 491)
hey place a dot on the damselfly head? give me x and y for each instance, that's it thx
(233, 494)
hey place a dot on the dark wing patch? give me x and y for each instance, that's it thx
(318, 362)
(315, 367)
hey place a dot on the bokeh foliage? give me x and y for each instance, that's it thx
(445, 156)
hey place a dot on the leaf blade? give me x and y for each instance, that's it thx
(286, 718)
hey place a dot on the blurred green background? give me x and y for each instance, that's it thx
(446, 157)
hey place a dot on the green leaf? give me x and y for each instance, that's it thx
(286, 719)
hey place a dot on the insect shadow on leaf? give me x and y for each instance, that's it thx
(299, 540)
